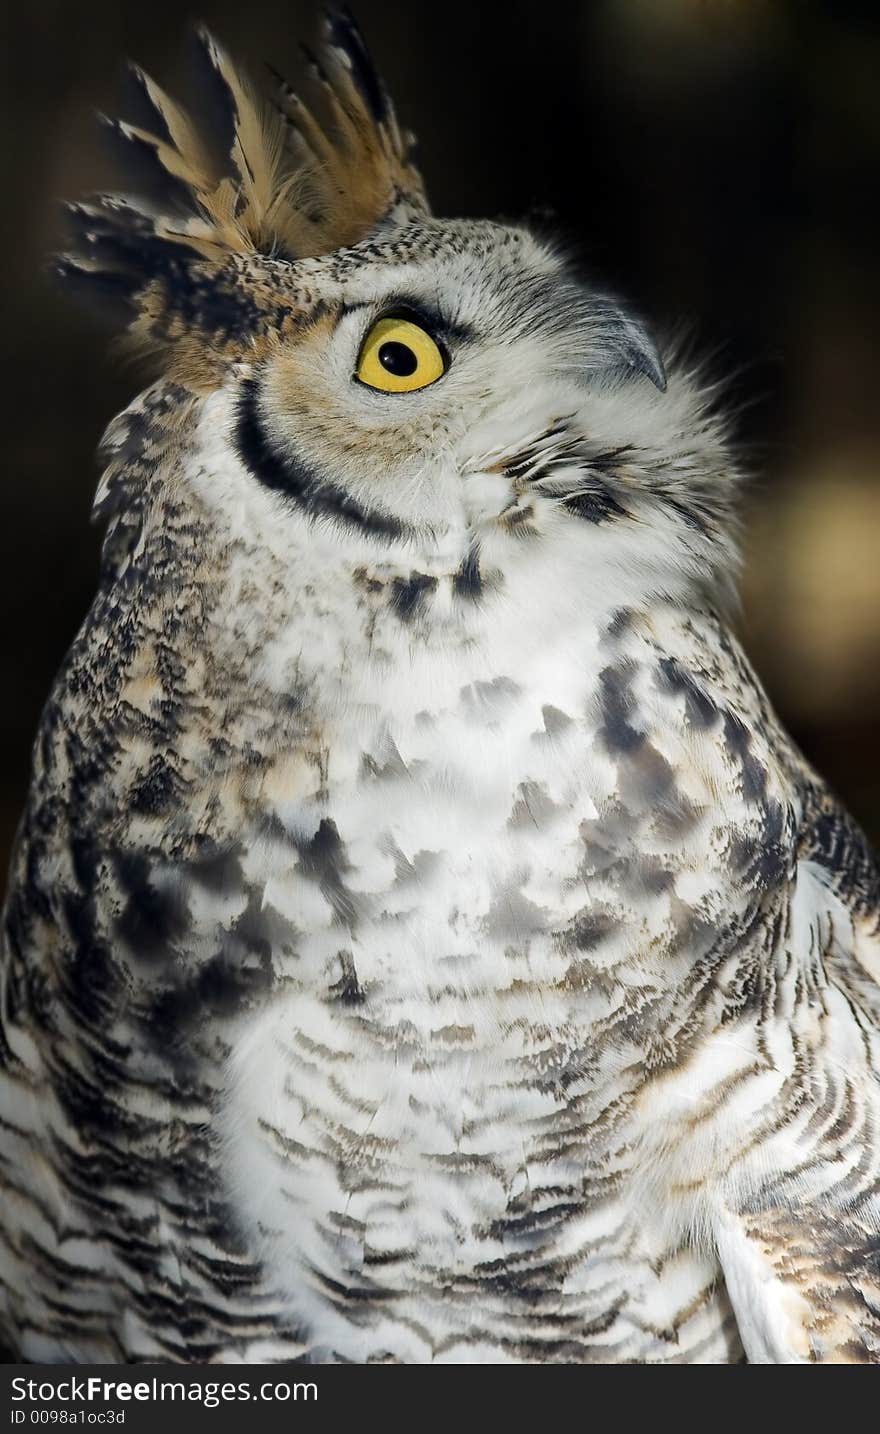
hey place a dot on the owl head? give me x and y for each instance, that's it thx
(446, 404)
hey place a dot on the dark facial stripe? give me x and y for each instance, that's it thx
(296, 480)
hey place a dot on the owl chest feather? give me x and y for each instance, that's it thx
(419, 958)
(446, 1079)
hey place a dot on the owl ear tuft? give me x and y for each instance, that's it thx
(353, 170)
(244, 178)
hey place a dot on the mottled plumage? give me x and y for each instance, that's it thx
(422, 944)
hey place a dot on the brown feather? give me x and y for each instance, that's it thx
(292, 185)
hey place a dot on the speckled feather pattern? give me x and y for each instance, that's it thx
(422, 943)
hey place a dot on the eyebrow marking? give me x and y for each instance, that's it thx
(352, 307)
(405, 307)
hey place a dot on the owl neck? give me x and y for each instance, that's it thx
(253, 650)
(388, 636)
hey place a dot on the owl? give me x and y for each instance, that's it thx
(423, 943)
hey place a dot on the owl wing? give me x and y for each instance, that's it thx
(131, 932)
(800, 1247)
(850, 868)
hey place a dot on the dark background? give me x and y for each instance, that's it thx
(715, 160)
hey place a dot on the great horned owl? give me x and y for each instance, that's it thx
(423, 944)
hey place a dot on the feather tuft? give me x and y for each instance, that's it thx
(246, 177)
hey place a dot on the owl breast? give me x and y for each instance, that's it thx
(426, 1128)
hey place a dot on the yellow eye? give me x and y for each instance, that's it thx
(398, 356)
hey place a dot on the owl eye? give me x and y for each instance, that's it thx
(399, 356)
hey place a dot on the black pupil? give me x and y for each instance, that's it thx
(399, 359)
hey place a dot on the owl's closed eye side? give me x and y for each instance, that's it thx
(422, 944)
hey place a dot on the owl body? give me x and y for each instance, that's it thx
(423, 944)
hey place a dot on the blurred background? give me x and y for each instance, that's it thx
(716, 161)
